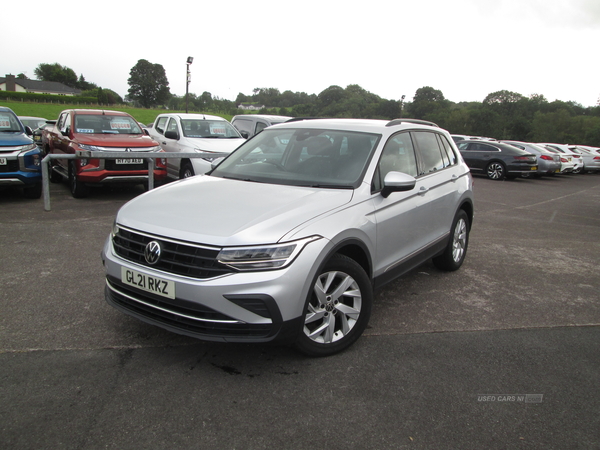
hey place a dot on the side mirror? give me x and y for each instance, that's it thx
(28, 130)
(172, 135)
(245, 134)
(397, 182)
(66, 131)
(145, 132)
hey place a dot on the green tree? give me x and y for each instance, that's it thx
(148, 84)
(428, 103)
(551, 126)
(56, 72)
(84, 85)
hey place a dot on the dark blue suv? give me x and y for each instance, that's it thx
(20, 158)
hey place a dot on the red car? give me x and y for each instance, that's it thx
(99, 130)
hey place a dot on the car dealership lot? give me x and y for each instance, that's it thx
(444, 363)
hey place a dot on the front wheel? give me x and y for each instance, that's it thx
(34, 191)
(456, 250)
(338, 308)
(78, 189)
(187, 170)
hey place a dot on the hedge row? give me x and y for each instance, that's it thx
(46, 98)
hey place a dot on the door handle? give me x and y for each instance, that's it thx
(423, 190)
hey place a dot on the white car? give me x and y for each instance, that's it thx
(250, 124)
(189, 133)
(287, 237)
(591, 159)
(567, 154)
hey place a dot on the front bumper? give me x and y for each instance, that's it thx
(20, 168)
(259, 306)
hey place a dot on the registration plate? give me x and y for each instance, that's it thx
(148, 283)
(130, 161)
(3, 161)
(534, 168)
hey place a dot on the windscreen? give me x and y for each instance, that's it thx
(215, 129)
(302, 157)
(33, 123)
(9, 123)
(106, 124)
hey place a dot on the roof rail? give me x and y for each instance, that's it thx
(298, 119)
(391, 123)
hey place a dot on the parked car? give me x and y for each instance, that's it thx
(497, 160)
(190, 133)
(460, 137)
(99, 130)
(285, 239)
(566, 162)
(250, 124)
(591, 159)
(20, 158)
(548, 162)
(567, 154)
(593, 150)
(32, 122)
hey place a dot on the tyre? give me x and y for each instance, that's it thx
(187, 170)
(78, 189)
(495, 171)
(456, 250)
(34, 191)
(55, 177)
(338, 308)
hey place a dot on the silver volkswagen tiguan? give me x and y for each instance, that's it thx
(286, 239)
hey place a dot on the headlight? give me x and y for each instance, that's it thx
(206, 158)
(28, 147)
(90, 148)
(263, 257)
(28, 157)
(115, 229)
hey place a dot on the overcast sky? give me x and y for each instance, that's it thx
(464, 48)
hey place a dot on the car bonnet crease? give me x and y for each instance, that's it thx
(201, 210)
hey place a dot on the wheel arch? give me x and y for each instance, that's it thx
(354, 249)
(467, 207)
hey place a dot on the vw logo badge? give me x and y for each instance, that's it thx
(152, 252)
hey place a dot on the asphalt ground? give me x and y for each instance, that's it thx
(502, 354)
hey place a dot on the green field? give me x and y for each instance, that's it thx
(51, 111)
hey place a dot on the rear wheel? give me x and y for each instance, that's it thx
(55, 177)
(495, 171)
(455, 252)
(338, 308)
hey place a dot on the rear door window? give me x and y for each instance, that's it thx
(430, 154)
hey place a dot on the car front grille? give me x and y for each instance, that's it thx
(12, 165)
(179, 258)
(193, 320)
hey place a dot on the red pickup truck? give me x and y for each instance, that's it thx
(99, 130)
